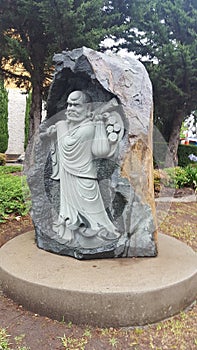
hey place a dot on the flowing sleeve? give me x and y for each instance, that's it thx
(55, 160)
(52, 133)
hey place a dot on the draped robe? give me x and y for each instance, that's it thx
(81, 204)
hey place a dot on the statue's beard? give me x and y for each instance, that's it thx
(75, 117)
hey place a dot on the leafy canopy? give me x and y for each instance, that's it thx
(166, 37)
(31, 31)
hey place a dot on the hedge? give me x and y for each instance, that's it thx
(160, 149)
(27, 112)
(3, 118)
(183, 153)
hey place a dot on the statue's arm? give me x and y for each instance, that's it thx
(50, 132)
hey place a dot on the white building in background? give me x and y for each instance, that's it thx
(16, 121)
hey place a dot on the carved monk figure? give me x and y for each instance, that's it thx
(82, 212)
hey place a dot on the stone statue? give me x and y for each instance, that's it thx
(83, 135)
(89, 167)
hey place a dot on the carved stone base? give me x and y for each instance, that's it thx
(122, 247)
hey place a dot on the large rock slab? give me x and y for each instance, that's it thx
(67, 219)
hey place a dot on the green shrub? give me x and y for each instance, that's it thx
(2, 159)
(183, 152)
(9, 169)
(176, 177)
(191, 171)
(3, 118)
(14, 193)
(27, 113)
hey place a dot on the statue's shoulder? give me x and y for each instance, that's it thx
(61, 123)
(85, 130)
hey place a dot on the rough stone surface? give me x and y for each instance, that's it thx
(125, 180)
(112, 292)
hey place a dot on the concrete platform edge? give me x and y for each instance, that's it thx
(100, 308)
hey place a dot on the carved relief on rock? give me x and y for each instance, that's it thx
(88, 131)
(90, 166)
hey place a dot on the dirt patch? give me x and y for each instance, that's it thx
(14, 226)
(174, 192)
(180, 222)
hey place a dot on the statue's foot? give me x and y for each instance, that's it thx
(106, 235)
(87, 232)
(63, 233)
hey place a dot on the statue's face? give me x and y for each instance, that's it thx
(77, 107)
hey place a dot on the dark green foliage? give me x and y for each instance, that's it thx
(182, 177)
(183, 152)
(27, 118)
(79, 23)
(166, 36)
(3, 118)
(32, 31)
(14, 193)
(9, 169)
(11, 197)
(176, 177)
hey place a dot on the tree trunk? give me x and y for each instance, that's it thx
(171, 156)
(36, 109)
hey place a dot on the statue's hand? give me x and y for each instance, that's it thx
(42, 127)
(51, 130)
(102, 117)
(43, 131)
(47, 131)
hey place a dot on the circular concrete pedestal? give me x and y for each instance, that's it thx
(106, 292)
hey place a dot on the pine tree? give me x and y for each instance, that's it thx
(32, 30)
(165, 36)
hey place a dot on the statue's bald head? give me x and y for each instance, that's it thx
(78, 106)
(79, 96)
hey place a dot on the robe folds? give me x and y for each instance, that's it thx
(81, 203)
